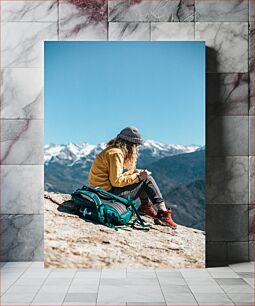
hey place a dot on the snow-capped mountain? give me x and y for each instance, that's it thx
(71, 152)
(79, 153)
(179, 171)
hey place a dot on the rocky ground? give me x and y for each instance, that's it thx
(72, 242)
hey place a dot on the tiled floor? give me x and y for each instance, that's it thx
(26, 283)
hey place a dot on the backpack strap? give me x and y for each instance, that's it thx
(99, 191)
(91, 195)
(138, 219)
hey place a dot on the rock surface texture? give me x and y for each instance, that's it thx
(73, 242)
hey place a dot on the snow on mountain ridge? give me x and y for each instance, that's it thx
(75, 152)
(164, 146)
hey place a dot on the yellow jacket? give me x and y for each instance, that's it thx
(107, 170)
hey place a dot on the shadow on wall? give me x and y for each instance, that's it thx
(211, 65)
(219, 220)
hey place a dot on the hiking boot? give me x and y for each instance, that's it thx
(164, 218)
(148, 210)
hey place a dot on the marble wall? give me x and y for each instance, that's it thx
(228, 29)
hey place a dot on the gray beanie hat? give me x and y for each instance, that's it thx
(131, 134)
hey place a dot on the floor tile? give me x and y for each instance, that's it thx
(243, 267)
(145, 270)
(222, 272)
(84, 285)
(195, 273)
(9, 270)
(113, 282)
(201, 282)
(5, 285)
(18, 264)
(11, 304)
(175, 289)
(110, 296)
(237, 289)
(58, 281)
(129, 293)
(213, 299)
(116, 303)
(230, 281)
(11, 275)
(88, 274)
(35, 274)
(249, 281)
(19, 294)
(147, 304)
(246, 274)
(171, 281)
(79, 303)
(242, 299)
(141, 274)
(143, 293)
(38, 265)
(169, 273)
(53, 298)
(81, 297)
(205, 289)
(111, 273)
(225, 275)
(69, 273)
(29, 281)
(180, 299)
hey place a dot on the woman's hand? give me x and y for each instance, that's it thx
(143, 174)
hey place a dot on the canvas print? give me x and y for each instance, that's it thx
(124, 166)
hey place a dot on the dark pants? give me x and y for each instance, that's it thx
(145, 189)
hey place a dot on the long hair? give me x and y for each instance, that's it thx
(129, 149)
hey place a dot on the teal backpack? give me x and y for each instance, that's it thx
(100, 206)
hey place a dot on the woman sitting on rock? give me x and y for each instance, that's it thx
(107, 172)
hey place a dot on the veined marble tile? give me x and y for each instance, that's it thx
(251, 93)
(251, 180)
(227, 180)
(251, 10)
(251, 135)
(227, 223)
(251, 251)
(22, 43)
(21, 142)
(151, 10)
(22, 237)
(251, 221)
(22, 189)
(23, 10)
(22, 93)
(227, 135)
(227, 93)
(251, 69)
(242, 299)
(227, 45)
(213, 298)
(172, 31)
(238, 251)
(79, 22)
(213, 10)
(251, 46)
(129, 31)
(216, 251)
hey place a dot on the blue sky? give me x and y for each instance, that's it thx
(94, 89)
